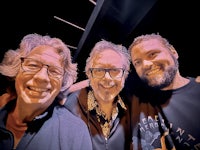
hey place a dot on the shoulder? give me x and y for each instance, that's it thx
(71, 128)
(73, 88)
(65, 117)
(194, 81)
(72, 99)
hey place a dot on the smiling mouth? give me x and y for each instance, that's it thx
(153, 70)
(107, 87)
(38, 89)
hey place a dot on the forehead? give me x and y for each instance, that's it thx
(108, 56)
(47, 55)
(45, 52)
(149, 44)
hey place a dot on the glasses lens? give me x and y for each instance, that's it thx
(31, 65)
(98, 72)
(55, 72)
(116, 73)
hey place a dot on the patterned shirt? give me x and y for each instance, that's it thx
(105, 122)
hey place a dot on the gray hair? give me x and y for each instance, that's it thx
(11, 62)
(101, 46)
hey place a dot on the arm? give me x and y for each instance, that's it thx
(72, 88)
(198, 79)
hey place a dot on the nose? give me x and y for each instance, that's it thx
(107, 75)
(42, 74)
(147, 63)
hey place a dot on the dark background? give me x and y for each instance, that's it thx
(118, 21)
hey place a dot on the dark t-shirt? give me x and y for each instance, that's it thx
(167, 119)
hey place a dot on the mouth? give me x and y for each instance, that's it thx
(107, 86)
(38, 93)
(38, 89)
(153, 71)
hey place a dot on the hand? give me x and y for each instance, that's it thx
(198, 79)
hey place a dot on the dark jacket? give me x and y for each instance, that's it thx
(119, 138)
(56, 129)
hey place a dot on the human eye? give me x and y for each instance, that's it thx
(54, 71)
(152, 54)
(137, 63)
(32, 64)
(116, 72)
(98, 70)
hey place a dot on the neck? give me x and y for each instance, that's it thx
(177, 82)
(26, 112)
(107, 108)
(16, 126)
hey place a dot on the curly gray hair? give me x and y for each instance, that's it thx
(101, 46)
(11, 62)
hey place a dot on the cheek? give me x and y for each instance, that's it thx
(120, 83)
(56, 84)
(138, 70)
(94, 84)
(20, 81)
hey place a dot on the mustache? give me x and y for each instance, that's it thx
(152, 67)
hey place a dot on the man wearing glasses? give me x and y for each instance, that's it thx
(100, 105)
(41, 68)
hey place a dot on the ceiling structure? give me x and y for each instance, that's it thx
(81, 23)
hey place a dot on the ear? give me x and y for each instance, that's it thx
(88, 74)
(174, 52)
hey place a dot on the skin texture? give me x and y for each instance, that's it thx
(157, 65)
(39, 88)
(171, 100)
(106, 88)
(36, 91)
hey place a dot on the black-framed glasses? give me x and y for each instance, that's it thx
(113, 72)
(34, 66)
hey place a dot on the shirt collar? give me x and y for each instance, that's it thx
(92, 102)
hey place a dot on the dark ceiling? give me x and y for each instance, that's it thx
(118, 21)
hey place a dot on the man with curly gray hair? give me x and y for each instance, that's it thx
(41, 68)
(100, 105)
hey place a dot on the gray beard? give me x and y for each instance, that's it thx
(165, 80)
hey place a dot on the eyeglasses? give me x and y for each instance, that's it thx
(113, 72)
(31, 65)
